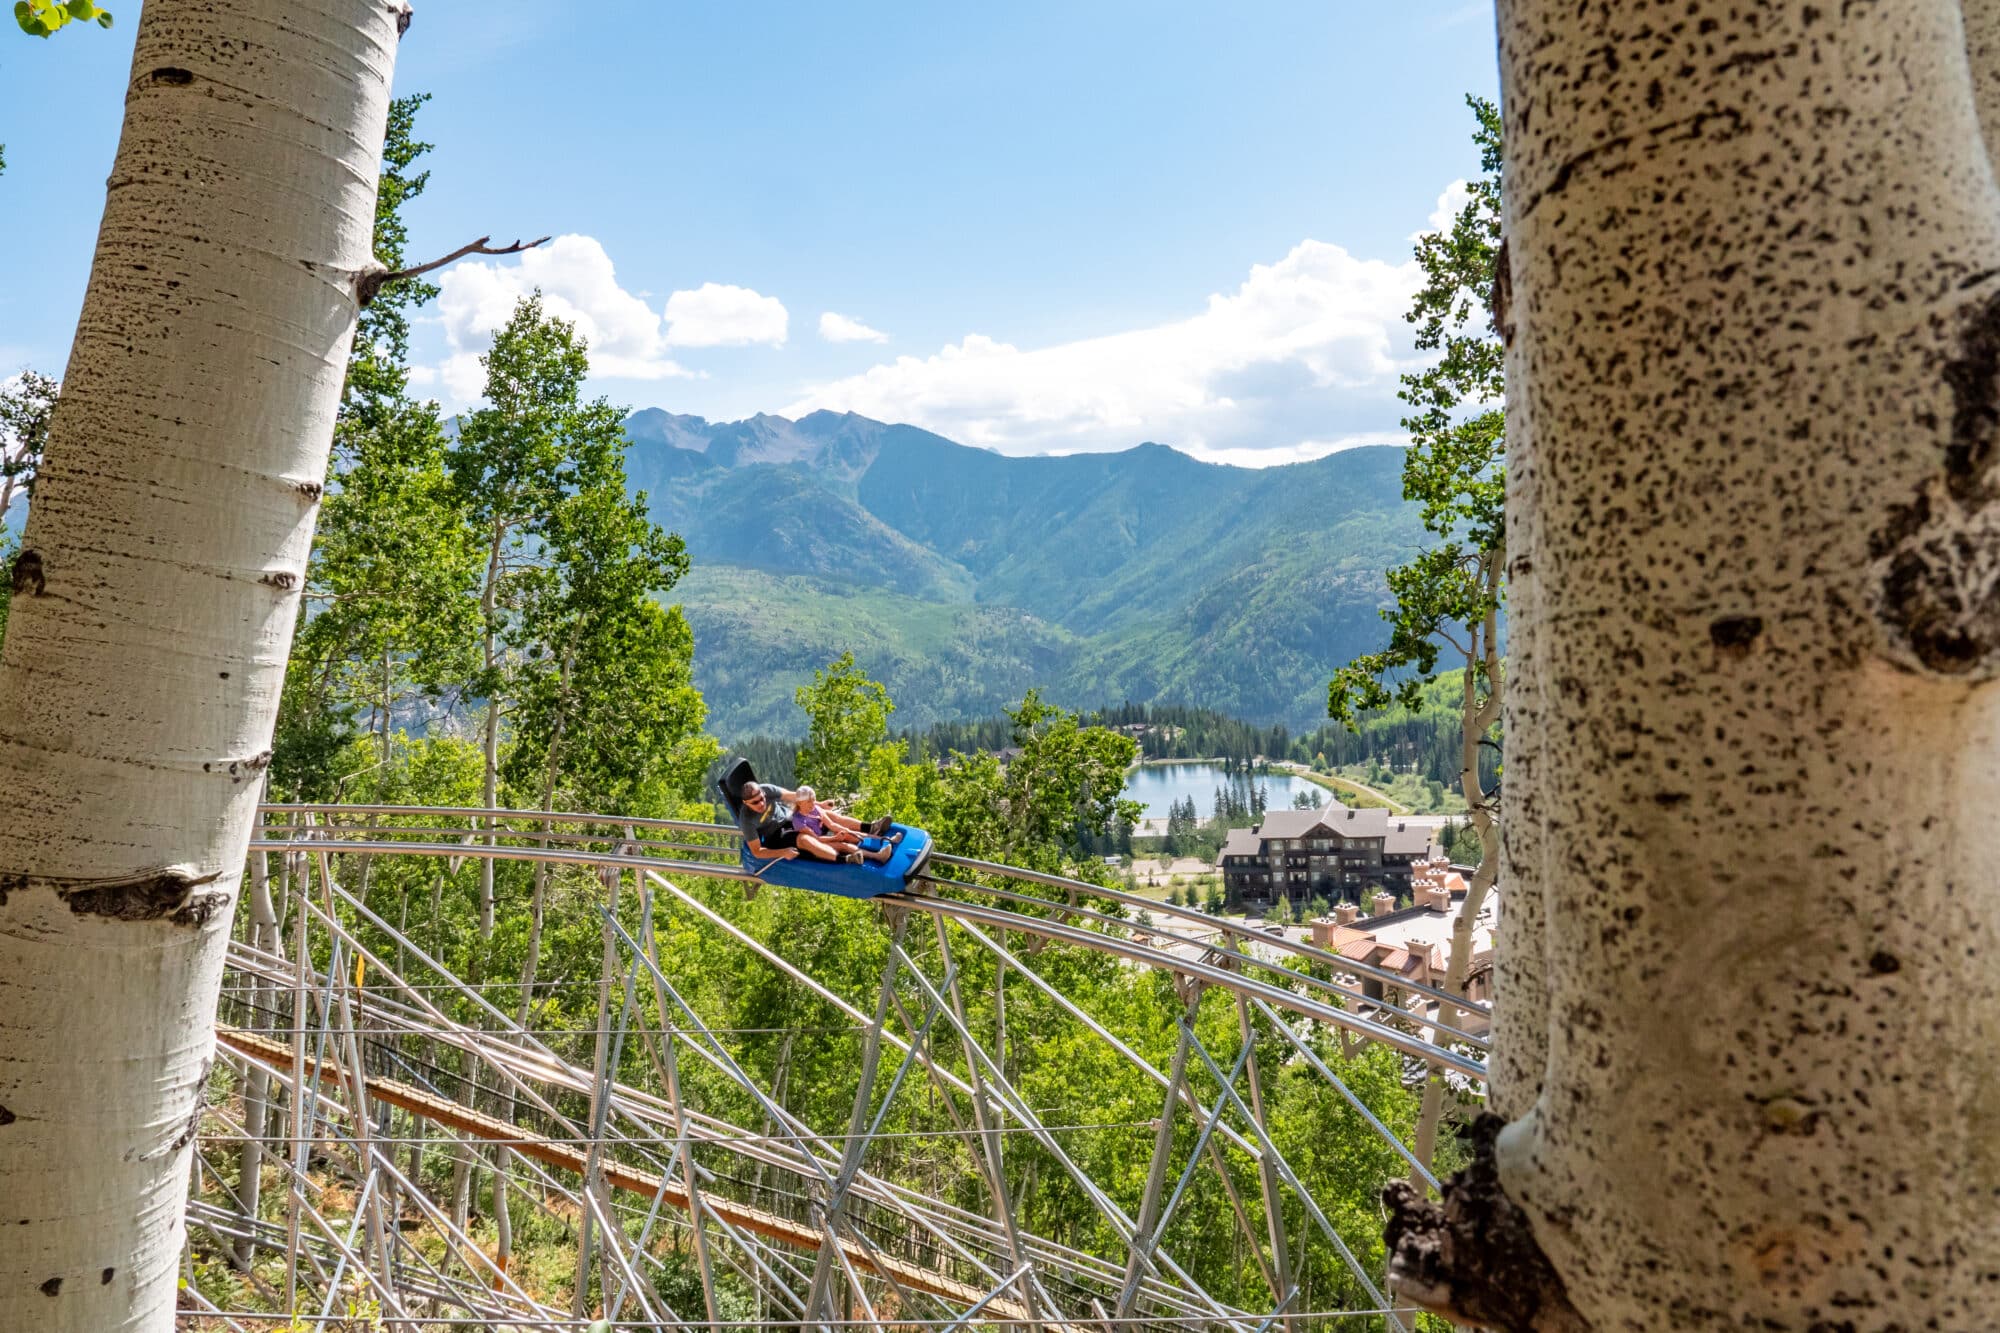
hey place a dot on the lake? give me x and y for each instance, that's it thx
(1158, 786)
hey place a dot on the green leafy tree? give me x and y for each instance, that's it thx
(566, 559)
(847, 717)
(44, 18)
(389, 590)
(1450, 594)
(1038, 811)
(27, 403)
(607, 707)
(378, 374)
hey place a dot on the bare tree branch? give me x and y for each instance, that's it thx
(370, 284)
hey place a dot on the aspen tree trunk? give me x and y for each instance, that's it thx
(1755, 263)
(1520, 945)
(1476, 717)
(532, 964)
(154, 603)
(264, 935)
(490, 748)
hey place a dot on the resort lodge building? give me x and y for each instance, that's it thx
(1335, 852)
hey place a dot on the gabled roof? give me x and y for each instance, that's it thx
(1290, 823)
(1336, 818)
(1240, 842)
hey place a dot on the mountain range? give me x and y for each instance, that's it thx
(961, 577)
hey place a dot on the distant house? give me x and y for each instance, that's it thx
(1335, 852)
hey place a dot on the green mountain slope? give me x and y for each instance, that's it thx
(961, 576)
(759, 636)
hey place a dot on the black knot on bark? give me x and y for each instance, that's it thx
(1733, 635)
(1973, 376)
(171, 896)
(1474, 1258)
(29, 580)
(171, 75)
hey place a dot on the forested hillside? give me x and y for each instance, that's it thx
(960, 576)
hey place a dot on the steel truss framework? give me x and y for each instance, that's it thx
(350, 1069)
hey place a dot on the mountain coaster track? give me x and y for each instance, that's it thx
(778, 1207)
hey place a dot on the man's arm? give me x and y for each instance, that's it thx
(758, 850)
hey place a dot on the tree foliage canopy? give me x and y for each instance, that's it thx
(44, 18)
(1455, 467)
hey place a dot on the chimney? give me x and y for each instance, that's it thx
(1345, 912)
(1382, 905)
(1437, 898)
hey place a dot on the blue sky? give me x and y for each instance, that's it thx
(1039, 227)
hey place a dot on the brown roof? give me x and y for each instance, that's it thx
(1291, 823)
(1391, 957)
(1334, 818)
(1240, 842)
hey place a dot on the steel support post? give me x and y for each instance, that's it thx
(1290, 1177)
(683, 1144)
(600, 1093)
(357, 1092)
(1267, 1175)
(982, 1116)
(299, 1095)
(263, 934)
(1163, 1146)
(833, 1208)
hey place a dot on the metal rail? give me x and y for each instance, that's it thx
(352, 1033)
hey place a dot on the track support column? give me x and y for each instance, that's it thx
(1163, 1145)
(819, 1304)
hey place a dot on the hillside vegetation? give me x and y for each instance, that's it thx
(960, 576)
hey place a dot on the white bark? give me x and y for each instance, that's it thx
(265, 935)
(154, 607)
(1520, 945)
(1757, 312)
(490, 778)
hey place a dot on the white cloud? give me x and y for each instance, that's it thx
(578, 283)
(1302, 452)
(1450, 204)
(628, 339)
(837, 328)
(717, 315)
(1306, 349)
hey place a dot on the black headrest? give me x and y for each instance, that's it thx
(734, 778)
